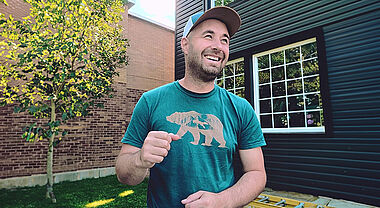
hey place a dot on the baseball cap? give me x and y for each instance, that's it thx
(222, 13)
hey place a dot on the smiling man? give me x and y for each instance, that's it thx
(189, 132)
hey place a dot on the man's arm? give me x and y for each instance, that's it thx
(128, 168)
(248, 187)
(133, 163)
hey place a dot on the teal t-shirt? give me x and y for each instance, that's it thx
(213, 127)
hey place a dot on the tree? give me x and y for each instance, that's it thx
(58, 62)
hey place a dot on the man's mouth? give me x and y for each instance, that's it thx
(213, 58)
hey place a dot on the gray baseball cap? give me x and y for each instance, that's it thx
(222, 13)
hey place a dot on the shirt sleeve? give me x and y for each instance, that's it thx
(251, 135)
(139, 125)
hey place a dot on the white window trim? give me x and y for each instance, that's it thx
(224, 77)
(257, 100)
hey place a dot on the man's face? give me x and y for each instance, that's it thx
(208, 49)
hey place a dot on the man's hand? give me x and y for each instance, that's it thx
(203, 199)
(156, 147)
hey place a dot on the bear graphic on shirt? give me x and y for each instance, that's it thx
(197, 124)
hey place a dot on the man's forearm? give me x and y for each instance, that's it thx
(128, 169)
(249, 186)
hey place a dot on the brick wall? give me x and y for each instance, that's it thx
(93, 142)
(151, 54)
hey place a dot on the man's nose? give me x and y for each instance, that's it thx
(216, 45)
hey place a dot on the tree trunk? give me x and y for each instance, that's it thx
(49, 165)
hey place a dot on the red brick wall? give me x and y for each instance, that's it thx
(151, 54)
(93, 142)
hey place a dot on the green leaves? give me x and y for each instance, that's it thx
(67, 52)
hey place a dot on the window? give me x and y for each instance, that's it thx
(232, 77)
(287, 89)
(222, 2)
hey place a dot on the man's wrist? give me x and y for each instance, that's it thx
(224, 198)
(138, 161)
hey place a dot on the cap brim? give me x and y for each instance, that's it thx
(224, 14)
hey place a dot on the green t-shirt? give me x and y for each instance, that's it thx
(213, 127)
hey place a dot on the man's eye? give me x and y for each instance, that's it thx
(208, 36)
(225, 41)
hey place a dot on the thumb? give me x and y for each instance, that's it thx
(193, 197)
(174, 136)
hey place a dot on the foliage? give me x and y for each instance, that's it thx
(222, 2)
(77, 194)
(60, 59)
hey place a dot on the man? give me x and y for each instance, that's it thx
(188, 133)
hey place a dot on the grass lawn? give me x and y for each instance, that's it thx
(78, 194)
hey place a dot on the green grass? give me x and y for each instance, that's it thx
(76, 194)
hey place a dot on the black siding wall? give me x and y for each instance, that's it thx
(184, 9)
(345, 163)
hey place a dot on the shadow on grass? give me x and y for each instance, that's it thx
(77, 194)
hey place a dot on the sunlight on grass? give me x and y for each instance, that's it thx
(126, 193)
(98, 203)
(103, 202)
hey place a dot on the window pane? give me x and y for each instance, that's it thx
(279, 105)
(278, 74)
(263, 62)
(294, 87)
(280, 121)
(310, 67)
(309, 50)
(295, 103)
(239, 81)
(220, 75)
(311, 84)
(289, 88)
(229, 83)
(296, 119)
(279, 89)
(229, 70)
(240, 92)
(293, 71)
(277, 58)
(292, 54)
(266, 121)
(220, 82)
(265, 106)
(313, 119)
(239, 68)
(264, 76)
(264, 91)
(313, 101)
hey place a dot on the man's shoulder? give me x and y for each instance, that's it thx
(234, 98)
(160, 90)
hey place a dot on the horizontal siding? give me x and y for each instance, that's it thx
(264, 21)
(184, 9)
(347, 164)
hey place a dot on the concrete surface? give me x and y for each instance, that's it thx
(319, 200)
(30, 181)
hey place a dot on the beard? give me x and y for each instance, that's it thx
(200, 70)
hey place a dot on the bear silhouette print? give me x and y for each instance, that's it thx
(197, 124)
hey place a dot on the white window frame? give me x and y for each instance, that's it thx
(233, 90)
(257, 93)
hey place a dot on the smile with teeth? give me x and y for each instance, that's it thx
(212, 58)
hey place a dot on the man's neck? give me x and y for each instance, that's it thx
(196, 86)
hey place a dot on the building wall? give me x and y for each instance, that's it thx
(184, 9)
(343, 163)
(94, 141)
(151, 54)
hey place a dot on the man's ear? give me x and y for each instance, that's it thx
(185, 45)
